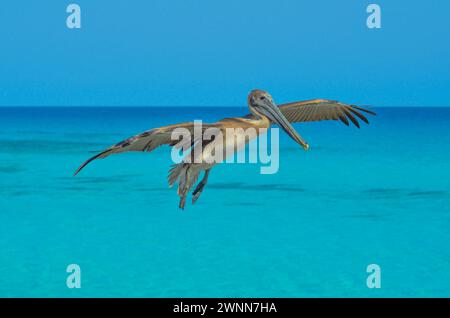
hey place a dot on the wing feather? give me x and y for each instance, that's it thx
(351, 117)
(146, 141)
(324, 109)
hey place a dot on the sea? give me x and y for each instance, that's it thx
(375, 195)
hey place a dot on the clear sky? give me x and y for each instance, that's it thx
(211, 52)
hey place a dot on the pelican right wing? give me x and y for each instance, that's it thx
(146, 141)
(323, 109)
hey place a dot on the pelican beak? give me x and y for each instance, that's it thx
(273, 112)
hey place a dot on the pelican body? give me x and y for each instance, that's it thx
(263, 113)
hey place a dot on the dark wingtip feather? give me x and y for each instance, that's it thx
(88, 161)
(350, 116)
(364, 110)
(360, 116)
(344, 120)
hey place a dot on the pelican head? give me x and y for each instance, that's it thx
(262, 104)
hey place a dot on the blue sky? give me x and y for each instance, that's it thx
(179, 52)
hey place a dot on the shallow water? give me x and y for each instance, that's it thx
(379, 194)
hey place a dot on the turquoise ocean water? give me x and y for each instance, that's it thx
(379, 194)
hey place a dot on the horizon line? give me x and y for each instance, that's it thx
(191, 106)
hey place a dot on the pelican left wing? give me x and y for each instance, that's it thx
(324, 109)
(145, 142)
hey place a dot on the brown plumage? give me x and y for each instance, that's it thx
(323, 109)
(264, 112)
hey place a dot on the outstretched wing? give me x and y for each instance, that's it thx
(323, 109)
(147, 141)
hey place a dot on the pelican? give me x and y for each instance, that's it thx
(263, 113)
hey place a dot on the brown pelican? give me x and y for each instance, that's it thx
(264, 112)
